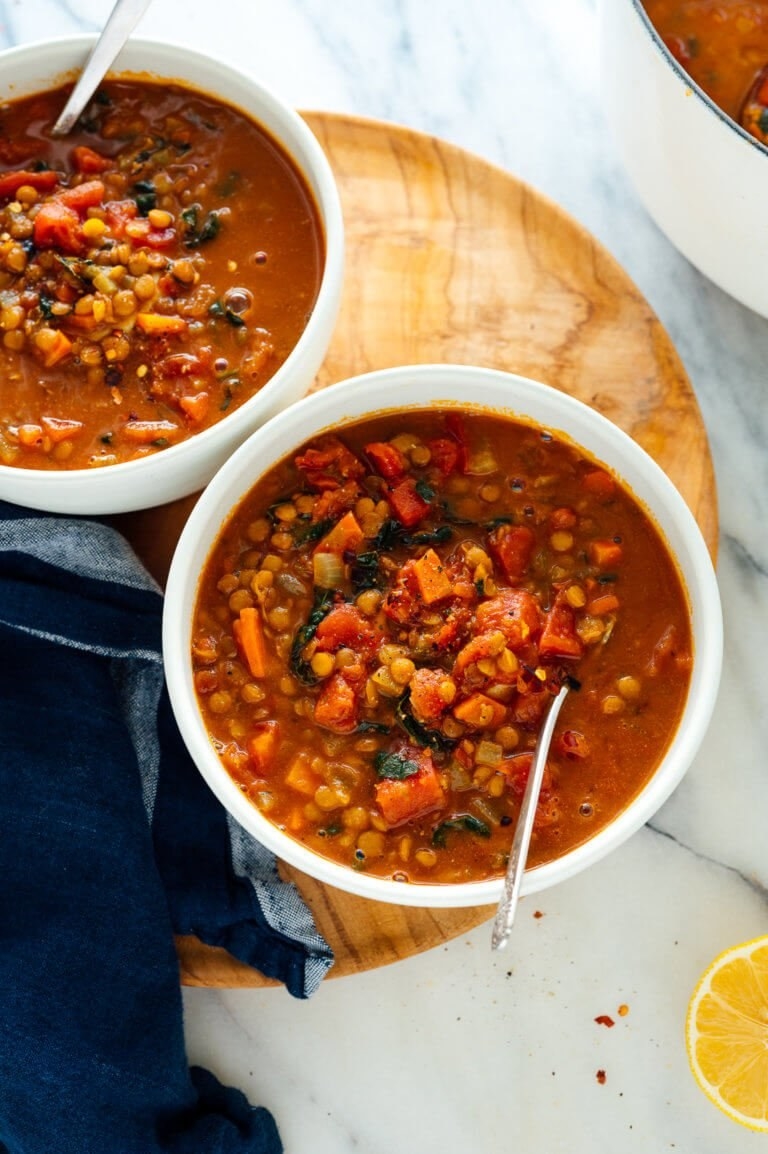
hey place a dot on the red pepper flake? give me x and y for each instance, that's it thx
(605, 1020)
(538, 914)
(601, 1077)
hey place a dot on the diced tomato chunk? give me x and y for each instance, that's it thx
(454, 423)
(515, 612)
(82, 196)
(336, 707)
(335, 500)
(87, 161)
(11, 182)
(330, 464)
(444, 454)
(408, 506)
(428, 702)
(58, 226)
(559, 637)
(387, 460)
(345, 626)
(512, 546)
(409, 798)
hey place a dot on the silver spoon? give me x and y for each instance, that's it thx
(123, 19)
(505, 915)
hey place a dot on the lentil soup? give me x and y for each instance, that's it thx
(723, 46)
(157, 266)
(384, 618)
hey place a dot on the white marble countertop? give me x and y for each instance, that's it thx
(459, 1049)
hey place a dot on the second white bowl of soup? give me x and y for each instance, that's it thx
(171, 273)
(375, 599)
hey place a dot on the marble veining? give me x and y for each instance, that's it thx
(459, 1049)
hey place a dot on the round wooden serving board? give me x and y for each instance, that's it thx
(450, 259)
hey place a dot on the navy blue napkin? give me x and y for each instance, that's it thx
(110, 842)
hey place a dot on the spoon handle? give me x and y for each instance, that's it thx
(122, 20)
(505, 915)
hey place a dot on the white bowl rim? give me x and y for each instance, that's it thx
(308, 418)
(328, 206)
(690, 83)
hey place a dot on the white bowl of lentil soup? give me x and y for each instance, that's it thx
(374, 600)
(170, 273)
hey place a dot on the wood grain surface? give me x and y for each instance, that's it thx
(450, 259)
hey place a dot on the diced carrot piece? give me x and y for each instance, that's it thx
(406, 799)
(606, 603)
(60, 348)
(604, 552)
(300, 777)
(249, 635)
(196, 405)
(480, 712)
(407, 504)
(11, 182)
(387, 460)
(156, 325)
(431, 577)
(512, 546)
(345, 536)
(262, 746)
(82, 196)
(59, 429)
(145, 432)
(88, 161)
(600, 484)
(336, 705)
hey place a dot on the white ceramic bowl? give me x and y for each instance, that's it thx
(189, 465)
(699, 174)
(398, 390)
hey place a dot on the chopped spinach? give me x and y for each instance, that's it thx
(424, 489)
(395, 766)
(364, 571)
(305, 534)
(372, 727)
(432, 738)
(429, 536)
(464, 821)
(196, 231)
(46, 306)
(219, 310)
(300, 668)
(145, 195)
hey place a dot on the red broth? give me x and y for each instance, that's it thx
(384, 619)
(157, 266)
(724, 47)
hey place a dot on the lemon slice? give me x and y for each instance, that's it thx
(727, 1033)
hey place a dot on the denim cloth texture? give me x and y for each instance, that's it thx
(111, 842)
